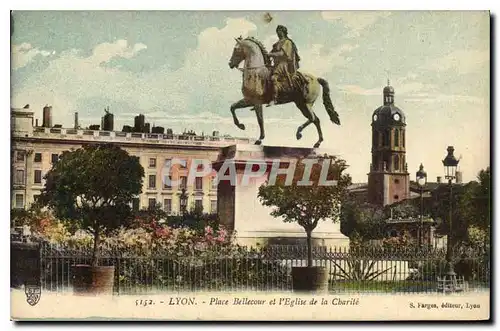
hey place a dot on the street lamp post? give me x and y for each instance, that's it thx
(450, 164)
(421, 177)
(183, 199)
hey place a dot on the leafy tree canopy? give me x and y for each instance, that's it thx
(361, 220)
(307, 204)
(479, 200)
(93, 186)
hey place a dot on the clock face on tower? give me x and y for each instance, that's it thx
(375, 118)
(396, 117)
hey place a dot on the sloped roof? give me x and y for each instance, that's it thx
(357, 186)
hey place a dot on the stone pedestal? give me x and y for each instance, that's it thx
(240, 209)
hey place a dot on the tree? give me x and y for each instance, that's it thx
(361, 220)
(440, 211)
(479, 199)
(306, 205)
(147, 216)
(405, 209)
(93, 187)
(471, 204)
(20, 217)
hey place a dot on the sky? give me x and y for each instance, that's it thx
(173, 68)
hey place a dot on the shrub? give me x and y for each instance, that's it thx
(181, 258)
(430, 270)
(195, 220)
(158, 256)
(399, 242)
(359, 270)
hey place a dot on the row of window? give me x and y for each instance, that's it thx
(152, 202)
(152, 163)
(20, 155)
(19, 200)
(386, 138)
(198, 184)
(55, 157)
(167, 205)
(395, 163)
(20, 179)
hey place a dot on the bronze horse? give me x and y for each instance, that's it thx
(256, 88)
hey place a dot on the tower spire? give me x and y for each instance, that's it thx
(388, 77)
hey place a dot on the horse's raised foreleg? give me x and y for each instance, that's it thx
(260, 120)
(238, 105)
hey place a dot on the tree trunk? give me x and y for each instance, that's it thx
(309, 248)
(95, 255)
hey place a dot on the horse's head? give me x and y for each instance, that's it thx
(238, 53)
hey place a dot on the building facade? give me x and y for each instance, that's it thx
(388, 180)
(35, 149)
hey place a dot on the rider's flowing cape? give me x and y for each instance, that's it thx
(297, 57)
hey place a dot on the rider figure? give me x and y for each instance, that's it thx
(286, 62)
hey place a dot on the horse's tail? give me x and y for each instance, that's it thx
(327, 101)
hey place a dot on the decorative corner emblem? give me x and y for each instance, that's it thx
(33, 294)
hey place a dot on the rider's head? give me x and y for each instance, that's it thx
(281, 30)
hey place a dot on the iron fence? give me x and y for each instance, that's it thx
(375, 269)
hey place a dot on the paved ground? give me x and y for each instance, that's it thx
(255, 306)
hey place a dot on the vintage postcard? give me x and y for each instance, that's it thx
(252, 166)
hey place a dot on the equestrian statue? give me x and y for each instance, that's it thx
(272, 78)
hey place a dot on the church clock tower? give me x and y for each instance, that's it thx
(388, 180)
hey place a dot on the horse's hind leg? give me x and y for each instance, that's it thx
(238, 105)
(298, 134)
(318, 128)
(260, 120)
(307, 114)
(311, 118)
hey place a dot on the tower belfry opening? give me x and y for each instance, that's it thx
(388, 94)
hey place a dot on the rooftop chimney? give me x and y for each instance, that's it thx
(108, 121)
(47, 117)
(439, 179)
(76, 121)
(458, 174)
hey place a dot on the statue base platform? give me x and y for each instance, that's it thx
(240, 209)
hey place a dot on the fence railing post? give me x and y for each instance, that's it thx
(351, 270)
(118, 272)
